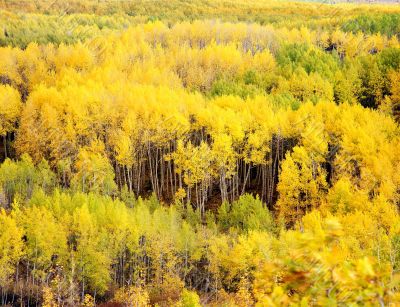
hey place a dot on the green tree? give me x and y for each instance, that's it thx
(245, 214)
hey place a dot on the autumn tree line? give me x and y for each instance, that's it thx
(201, 162)
(43, 21)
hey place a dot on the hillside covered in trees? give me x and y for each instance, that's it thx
(199, 153)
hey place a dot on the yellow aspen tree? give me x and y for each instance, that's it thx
(11, 247)
(10, 111)
(301, 185)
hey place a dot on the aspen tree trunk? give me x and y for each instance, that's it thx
(123, 266)
(21, 294)
(15, 286)
(203, 198)
(188, 196)
(269, 171)
(34, 265)
(117, 175)
(155, 165)
(237, 182)
(162, 172)
(83, 284)
(140, 165)
(223, 187)
(130, 178)
(26, 280)
(263, 183)
(197, 195)
(125, 180)
(274, 170)
(171, 179)
(247, 173)
(5, 145)
(37, 294)
(153, 170)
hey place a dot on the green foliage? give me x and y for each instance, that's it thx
(389, 59)
(222, 87)
(372, 83)
(18, 30)
(245, 214)
(189, 299)
(21, 177)
(192, 216)
(387, 24)
(91, 257)
(293, 56)
(252, 83)
(261, 12)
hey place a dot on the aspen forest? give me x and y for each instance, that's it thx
(199, 153)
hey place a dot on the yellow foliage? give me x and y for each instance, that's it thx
(134, 296)
(10, 108)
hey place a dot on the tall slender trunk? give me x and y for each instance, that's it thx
(5, 145)
(246, 178)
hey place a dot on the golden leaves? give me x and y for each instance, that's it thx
(10, 108)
